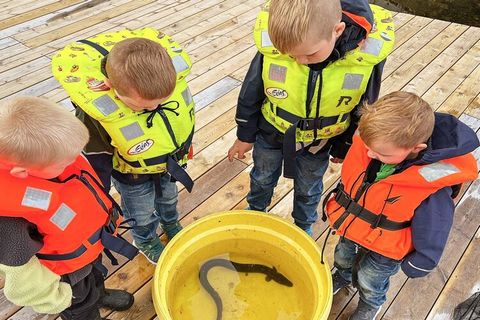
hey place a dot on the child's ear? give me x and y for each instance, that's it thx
(19, 172)
(338, 29)
(419, 147)
(108, 83)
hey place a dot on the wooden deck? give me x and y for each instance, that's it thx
(436, 59)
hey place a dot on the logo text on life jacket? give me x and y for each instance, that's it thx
(141, 147)
(277, 93)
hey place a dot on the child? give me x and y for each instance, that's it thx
(298, 101)
(55, 219)
(129, 88)
(393, 207)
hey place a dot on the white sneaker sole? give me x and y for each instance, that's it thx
(143, 254)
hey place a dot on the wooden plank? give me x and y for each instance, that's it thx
(217, 108)
(208, 184)
(413, 45)
(422, 58)
(212, 93)
(220, 71)
(429, 75)
(437, 94)
(142, 307)
(472, 122)
(474, 108)
(45, 38)
(464, 95)
(13, 74)
(410, 29)
(220, 35)
(7, 42)
(461, 285)
(24, 82)
(29, 15)
(207, 134)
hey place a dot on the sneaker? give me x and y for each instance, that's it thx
(365, 311)
(116, 300)
(338, 282)
(172, 229)
(151, 250)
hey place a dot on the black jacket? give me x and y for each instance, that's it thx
(249, 117)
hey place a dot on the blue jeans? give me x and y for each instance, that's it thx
(369, 271)
(146, 208)
(308, 185)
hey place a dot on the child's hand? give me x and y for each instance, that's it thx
(240, 148)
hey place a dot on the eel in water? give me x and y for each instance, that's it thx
(271, 273)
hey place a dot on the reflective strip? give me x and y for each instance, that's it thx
(105, 105)
(352, 81)
(266, 42)
(241, 120)
(438, 170)
(277, 73)
(373, 46)
(132, 131)
(179, 64)
(414, 267)
(36, 198)
(63, 216)
(187, 96)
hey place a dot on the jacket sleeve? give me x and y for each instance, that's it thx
(34, 285)
(250, 101)
(341, 143)
(27, 281)
(431, 225)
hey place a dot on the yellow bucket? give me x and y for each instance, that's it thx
(245, 237)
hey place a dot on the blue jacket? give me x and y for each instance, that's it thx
(433, 219)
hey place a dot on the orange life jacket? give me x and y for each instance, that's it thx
(76, 218)
(378, 215)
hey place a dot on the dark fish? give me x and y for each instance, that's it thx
(271, 274)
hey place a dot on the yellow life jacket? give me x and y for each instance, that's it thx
(144, 142)
(339, 86)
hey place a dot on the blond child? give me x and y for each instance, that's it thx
(129, 88)
(393, 207)
(52, 206)
(317, 61)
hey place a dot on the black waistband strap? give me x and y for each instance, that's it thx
(375, 220)
(94, 45)
(310, 123)
(109, 241)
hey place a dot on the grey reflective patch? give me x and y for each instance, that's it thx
(179, 64)
(36, 198)
(352, 81)
(277, 73)
(187, 96)
(372, 46)
(105, 105)
(132, 131)
(63, 216)
(438, 170)
(266, 42)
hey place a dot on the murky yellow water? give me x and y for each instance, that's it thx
(244, 296)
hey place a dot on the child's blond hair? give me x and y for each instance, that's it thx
(36, 132)
(291, 21)
(142, 65)
(400, 118)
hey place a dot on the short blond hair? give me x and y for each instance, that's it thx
(291, 21)
(142, 65)
(401, 118)
(36, 132)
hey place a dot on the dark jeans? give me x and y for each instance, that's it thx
(369, 271)
(308, 185)
(86, 294)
